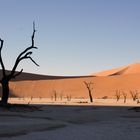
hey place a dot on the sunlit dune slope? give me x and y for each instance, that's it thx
(130, 69)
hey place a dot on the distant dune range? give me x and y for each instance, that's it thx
(104, 83)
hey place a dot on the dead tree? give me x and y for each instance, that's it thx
(117, 95)
(26, 54)
(124, 94)
(55, 95)
(61, 96)
(134, 95)
(89, 88)
(68, 97)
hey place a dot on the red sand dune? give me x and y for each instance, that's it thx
(130, 69)
(104, 84)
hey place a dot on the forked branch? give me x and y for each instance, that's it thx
(26, 54)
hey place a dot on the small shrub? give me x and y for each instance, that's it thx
(105, 97)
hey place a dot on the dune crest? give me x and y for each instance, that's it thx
(130, 69)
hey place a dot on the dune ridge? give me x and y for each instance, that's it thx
(130, 69)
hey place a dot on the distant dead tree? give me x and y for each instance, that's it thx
(124, 94)
(134, 95)
(55, 95)
(61, 96)
(26, 54)
(89, 86)
(117, 95)
(68, 97)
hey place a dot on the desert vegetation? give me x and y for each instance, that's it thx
(117, 95)
(59, 96)
(54, 96)
(134, 95)
(68, 97)
(124, 94)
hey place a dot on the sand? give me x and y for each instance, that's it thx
(74, 101)
(71, 121)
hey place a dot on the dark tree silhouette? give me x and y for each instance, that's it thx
(117, 95)
(90, 88)
(134, 95)
(26, 54)
(124, 94)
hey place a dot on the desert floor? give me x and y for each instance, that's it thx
(105, 119)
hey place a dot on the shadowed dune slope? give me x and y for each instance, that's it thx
(30, 76)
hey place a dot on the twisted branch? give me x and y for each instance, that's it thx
(88, 85)
(1, 61)
(26, 54)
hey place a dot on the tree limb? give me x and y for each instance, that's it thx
(18, 73)
(88, 85)
(33, 61)
(26, 54)
(32, 44)
(1, 61)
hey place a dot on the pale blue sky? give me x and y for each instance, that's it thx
(74, 37)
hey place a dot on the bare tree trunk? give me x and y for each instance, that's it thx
(90, 88)
(5, 92)
(90, 96)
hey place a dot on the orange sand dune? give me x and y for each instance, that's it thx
(130, 69)
(74, 87)
(104, 84)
